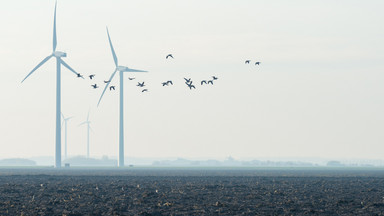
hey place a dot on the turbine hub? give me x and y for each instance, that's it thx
(59, 54)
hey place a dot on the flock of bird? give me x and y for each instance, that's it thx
(188, 81)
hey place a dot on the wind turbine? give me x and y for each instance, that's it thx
(59, 61)
(121, 70)
(65, 126)
(88, 128)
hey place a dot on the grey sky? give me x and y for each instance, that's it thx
(317, 93)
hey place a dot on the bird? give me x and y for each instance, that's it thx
(210, 81)
(169, 55)
(91, 76)
(257, 63)
(170, 82)
(140, 84)
(247, 61)
(144, 90)
(187, 80)
(95, 86)
(214, 78)
(107, 81)
(190, 86)
(111, 87)
(80, 76)
(131, 78)
(164, 83)
(203, 81)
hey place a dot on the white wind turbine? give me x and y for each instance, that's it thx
(59, 61)
(65, 132)
(121, 70)
(88, 128)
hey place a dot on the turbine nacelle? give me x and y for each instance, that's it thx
(59, 54)
(122, 68)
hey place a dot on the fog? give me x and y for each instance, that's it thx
(317, 92)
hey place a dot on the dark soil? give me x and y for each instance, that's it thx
(191, 192)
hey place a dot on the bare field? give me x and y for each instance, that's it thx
(226, 191)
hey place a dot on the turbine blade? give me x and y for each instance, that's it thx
(113, 51)
(67, 66)
(41, 63)
(69, 118)
(54, 30)
(134, 70)
(88, 116)
(83, 123)
(106, 86)
(63, 116)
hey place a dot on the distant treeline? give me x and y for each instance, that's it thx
(17, 162)
(232, 162)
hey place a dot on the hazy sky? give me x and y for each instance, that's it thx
(317, 93)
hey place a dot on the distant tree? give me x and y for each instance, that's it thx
(335, 164)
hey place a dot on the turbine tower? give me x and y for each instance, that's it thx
(59, 61)
(121, 70)
(65, 138)
(88, 128)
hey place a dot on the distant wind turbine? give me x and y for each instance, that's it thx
(121, 70)
(88, 128)
(59, 61)
(65, 131)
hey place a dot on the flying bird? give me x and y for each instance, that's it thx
(95, 86)
(257, 63)
(214, 78)
(91, 76)
(107, 81)
(187, 80)
(210, 81)
(144, 90)
(140, 84)
(131, 78)
(111, 87)
(247, 61)
(165, 83)
(203, 81)
(80, 76)
(169, 82)
(169, 55)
